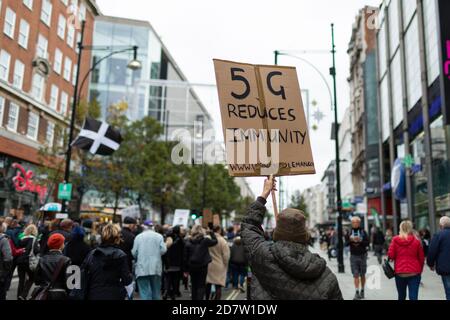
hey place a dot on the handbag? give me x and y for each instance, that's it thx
(33, 259)
(42, 293)
(388, 270)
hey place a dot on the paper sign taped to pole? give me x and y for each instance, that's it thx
(263, 120)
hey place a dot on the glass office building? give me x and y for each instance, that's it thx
(158, 89)
(411, 110)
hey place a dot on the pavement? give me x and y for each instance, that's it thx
(378, 286)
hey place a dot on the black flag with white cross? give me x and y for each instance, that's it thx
(98, 138)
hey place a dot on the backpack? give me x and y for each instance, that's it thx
(33, 260)
(4, 266)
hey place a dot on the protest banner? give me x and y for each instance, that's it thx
(207, 217)
(181, 217)
(263, 120)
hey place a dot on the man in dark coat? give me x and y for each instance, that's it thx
(127, 234)
(438, 257)
(284, 269)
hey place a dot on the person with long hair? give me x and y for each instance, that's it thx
(197, 258)
(26, 276)
(107, 268)
(407, 253)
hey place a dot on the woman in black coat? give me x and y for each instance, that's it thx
(196, 259)
(174, 264)
(106, 268)
(26, 277)
(76, 249)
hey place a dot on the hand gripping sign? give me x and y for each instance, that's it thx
(263, 120)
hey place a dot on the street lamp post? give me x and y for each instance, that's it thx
(340, 257)
(333, 100)
(133, 65)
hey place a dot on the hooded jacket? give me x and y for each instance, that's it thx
(108, 273)
(407, 254)
(284, 270)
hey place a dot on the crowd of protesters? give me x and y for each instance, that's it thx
(409, 251)
(118, 262)
(150, 261)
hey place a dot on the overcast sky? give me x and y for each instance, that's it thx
(197, 31)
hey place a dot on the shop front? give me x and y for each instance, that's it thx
(20, 193)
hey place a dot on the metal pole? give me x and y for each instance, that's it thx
(340, 257)
(204, 169)
(426, 120)
(73, 115)
(380, 147)
(280, 179)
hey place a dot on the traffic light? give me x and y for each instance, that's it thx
(194, 214)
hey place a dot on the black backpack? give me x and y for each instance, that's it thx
(197, 255)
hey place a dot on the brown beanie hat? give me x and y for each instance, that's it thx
(291, 226)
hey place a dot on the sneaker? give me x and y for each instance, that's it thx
(242, 289)
(357, 296)
(361, 295)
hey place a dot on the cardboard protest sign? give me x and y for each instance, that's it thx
(263, 120)
(216, 220)
(181, 217)
(207, 217)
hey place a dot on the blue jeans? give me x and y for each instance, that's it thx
(238, 275)
(446, 281)
(412, 283)
(149, 287)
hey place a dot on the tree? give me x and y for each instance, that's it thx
(221, 192)
(298, 202)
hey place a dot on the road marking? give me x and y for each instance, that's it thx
(233, 295)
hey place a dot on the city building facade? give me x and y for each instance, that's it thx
(345, 162)
(315, 205)
(159, 89)
(328, 187)
(38, 64)
(364, 115)
(414, 126)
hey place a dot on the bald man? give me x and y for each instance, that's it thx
(358, 241)
(438, 257)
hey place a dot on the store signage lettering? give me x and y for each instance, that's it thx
(447, 63)
(23, 181)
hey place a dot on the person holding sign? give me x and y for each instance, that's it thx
(284, 269)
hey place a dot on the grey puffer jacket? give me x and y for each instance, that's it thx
(284, 270)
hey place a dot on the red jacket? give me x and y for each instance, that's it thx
(407, 254)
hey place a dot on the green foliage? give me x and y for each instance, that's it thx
(298, 202)
(242, 207)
